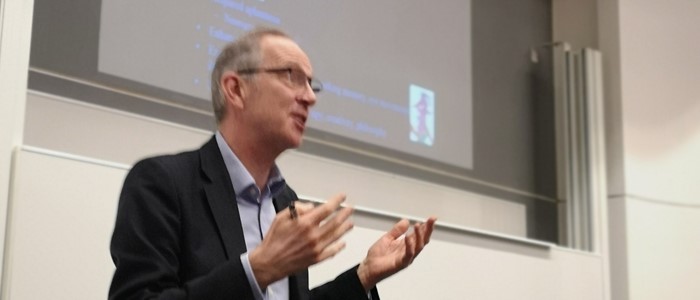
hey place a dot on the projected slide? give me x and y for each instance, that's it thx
(422, 106)
(396, 74)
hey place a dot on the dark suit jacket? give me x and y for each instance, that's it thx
(178, 235)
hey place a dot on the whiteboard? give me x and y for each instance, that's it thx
(61, 218)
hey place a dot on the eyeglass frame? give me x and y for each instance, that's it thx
(315, 84)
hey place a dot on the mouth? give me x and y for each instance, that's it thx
(299, 120)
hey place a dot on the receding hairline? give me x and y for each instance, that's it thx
(270, 50)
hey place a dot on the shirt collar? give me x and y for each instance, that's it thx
(241, 180)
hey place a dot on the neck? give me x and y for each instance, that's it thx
(255, 156)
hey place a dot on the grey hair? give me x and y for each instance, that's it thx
(243, 53)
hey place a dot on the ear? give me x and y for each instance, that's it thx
(233, 89)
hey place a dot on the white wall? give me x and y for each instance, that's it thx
(661, 98)
(15, 33)
(660, 88)
(58, 237)
(652, 90)
(653, 66)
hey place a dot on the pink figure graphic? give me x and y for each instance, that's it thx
(420, 131)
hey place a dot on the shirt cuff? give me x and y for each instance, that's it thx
(257, 292)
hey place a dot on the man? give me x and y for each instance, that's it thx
(216, 223)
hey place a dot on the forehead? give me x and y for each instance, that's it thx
(280, 51)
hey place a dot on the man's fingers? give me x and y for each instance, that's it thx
(331, 251)
(336, 226)
(410, 251)
(321, 212)
(415, 241)
(303, 207)
(428, 229)
(334, 229)
(399, 229)
(418, 230)
(326, 226)
(423, 232)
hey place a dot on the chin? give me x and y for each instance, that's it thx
(292, 142)
(296, 136)
(296, 143)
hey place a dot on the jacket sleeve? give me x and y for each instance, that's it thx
(145, 245)
(346, 286)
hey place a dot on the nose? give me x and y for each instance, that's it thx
(308, 97)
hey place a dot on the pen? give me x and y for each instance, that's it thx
(292, 210)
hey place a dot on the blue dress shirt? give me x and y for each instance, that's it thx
(257, 212)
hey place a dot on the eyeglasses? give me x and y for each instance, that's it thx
(296, 77)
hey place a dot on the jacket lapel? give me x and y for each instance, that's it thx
(222, 199)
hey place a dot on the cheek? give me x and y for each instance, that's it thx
(274, 105)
